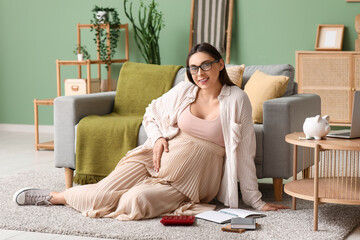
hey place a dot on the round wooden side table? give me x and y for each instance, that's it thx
(335, 170)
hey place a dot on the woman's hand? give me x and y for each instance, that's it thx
(160, 146)
(273, 207)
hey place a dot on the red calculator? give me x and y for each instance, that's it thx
(178, 220)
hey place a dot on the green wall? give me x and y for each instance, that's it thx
(35, 33)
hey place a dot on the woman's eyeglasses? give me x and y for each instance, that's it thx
(205, 67)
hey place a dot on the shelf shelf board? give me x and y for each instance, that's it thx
(85, 62)
(340, 190)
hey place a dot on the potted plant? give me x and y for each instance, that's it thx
(109, 16)
(81, 53)
(148, 31)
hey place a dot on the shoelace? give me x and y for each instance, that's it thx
(39, 199)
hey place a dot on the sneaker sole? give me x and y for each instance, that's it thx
(20, 200)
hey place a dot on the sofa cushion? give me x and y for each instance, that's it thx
(262, 87)
(275, 70)
(235, 73)
(142, 136)
(259, 142)
(181, 74)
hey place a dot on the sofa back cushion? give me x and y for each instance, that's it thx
(275, 70)
(180, 76)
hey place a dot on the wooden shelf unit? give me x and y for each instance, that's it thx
(97, 61)
(45, 145)
(334, 76)
(87, 63)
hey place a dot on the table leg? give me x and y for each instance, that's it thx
(316, 187)
(294, 174)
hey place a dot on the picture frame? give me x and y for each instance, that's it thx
(329, 37)
(353, 0)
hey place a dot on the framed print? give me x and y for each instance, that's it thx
(329, 37)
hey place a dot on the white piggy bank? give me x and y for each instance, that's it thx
(316, 127)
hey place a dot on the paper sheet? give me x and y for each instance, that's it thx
(330, 39)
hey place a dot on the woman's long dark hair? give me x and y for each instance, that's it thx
(213, 52)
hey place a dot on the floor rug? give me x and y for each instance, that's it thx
(335, 221)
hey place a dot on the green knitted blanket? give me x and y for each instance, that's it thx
(103, 140)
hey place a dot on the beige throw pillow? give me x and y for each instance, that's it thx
(235, 74)
(262, 87)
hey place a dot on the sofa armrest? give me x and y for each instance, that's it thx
(283, 116)
(68, 111)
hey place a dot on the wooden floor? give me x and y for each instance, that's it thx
(18, 154)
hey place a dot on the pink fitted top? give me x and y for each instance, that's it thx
(210, 130)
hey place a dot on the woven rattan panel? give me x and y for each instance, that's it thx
(320, 71)
(357, 73)
(330, 100)
(330, 75)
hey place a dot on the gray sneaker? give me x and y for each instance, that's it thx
(32, 196)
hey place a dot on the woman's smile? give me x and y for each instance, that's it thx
(203, 80)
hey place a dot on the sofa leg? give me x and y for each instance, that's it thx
(69, 174)
(278, 185)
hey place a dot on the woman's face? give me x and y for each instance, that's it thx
(208, 78)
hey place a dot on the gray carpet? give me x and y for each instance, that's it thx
(335, 221)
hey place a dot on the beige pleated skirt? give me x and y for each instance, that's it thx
(189, 178)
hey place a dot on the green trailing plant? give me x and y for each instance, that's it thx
(82, 50)
(146, 33)
(111, 17)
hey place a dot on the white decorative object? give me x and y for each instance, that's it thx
(316, 127)
(101, 16)
(80, 57)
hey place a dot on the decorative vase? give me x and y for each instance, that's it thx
(80, 57)
(101, 16)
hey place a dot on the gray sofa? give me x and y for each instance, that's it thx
(273, 155)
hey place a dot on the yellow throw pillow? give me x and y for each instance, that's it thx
(236, 73)
(262, 87)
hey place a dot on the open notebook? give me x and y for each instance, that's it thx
(226, 214)
(354, 131)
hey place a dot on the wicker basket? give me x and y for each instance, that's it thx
(79, 86)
